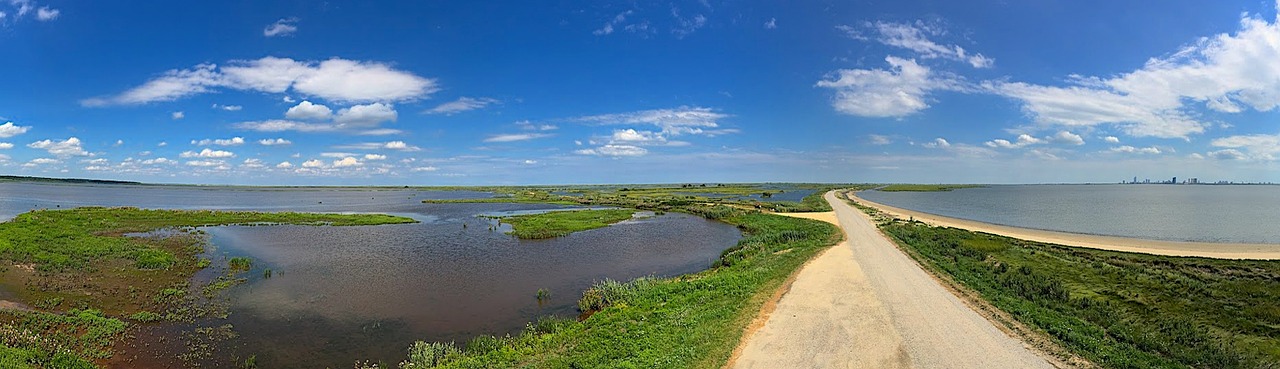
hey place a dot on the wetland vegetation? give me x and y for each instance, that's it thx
(1115, 309)
(87, 272)
(553, 224)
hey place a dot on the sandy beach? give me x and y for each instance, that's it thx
(1155, 247)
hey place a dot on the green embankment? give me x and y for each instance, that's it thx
(1118, 310)
(690, 321)
(561, 223)
(925, 187)
(85, 278)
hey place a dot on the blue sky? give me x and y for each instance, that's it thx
(453, 92)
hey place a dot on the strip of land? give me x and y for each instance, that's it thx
(1153, 247)
(864, 303)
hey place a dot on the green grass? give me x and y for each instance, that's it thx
(562, 223)
(1118, 310)
(690, 321)
(925, 187)
(56, 341)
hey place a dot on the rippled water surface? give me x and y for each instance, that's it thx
(341, 294)
(1201, 213)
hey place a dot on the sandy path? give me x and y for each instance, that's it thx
(1156, 247)
(865, 304)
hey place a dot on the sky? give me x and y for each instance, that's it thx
(585, 92)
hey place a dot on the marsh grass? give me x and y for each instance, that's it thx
(562, 223)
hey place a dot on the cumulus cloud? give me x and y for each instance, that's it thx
(275, 142)
(313, 163)
(45, 14)
(284, 165)
(915, 37)
(42, 161)
(253, 163)
(614, 150)
(234, 141)
(375, 157)
(899, 91)
(1022, 140)
(1111, 139)
(5, 145)
(389, 145)
(177, 115)
(1068, 138)
(228, 107)
(307, 110)
(161, 161)
(1228, 73)
(1136, 150)
(513, 137)
(937, 143)
(347, 162)
(9, 130)
(1259, 146)
(336, 79)
(1227, 154)
(366, 115)
(771, 24)
(283, 27)
(462, 104)
(424, 169)
(207, 153)
(62, 149)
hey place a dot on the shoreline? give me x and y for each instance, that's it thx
(1111, 243)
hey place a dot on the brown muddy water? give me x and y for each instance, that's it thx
(338, 295)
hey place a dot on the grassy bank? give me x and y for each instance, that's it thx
(690, 321)
(85, 272)
(1118, 310)
(925, 187)
(561, 223)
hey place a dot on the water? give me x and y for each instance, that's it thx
(341, 294)
(1224, 214)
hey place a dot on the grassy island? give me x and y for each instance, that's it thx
(1115, 309)
(561, 223)
(84, 273)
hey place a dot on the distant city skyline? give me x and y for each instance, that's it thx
(466, 93)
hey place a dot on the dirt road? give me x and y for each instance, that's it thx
(865, 304)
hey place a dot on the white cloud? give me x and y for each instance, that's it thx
(62, 149)
(530, 162)
(1068, 138)
(1136, 150)
(686, 26)
(234, 141)
(771, 24)
(1225, 72)
(283, 27)
(896, 92)
(1263, 147)
(390, 145)
(313, 163)
(338, 155)
(674, 122)
(307, 110)
(375, 157)
(228, 107)
(280, 125)
(5, 145)
(879, 139)
(1022, 140)
(253, 163)
(284, 165)
(207, 153)
(608, 26)
(937, 143)
(275, 142)
(614, 150)
(529, 126)
(162, 144)
(424, 169)
(208, 163)
(177, 115)
(159, 161)
(379, 132)
(347, 162)
(9, 130)
(336, 79)
(462, 104)
(45, 14)
(1111, 139)
(42, 161)
(366, 115)
(513, 137)
(118, 143)
(1227, 154)
(642, 138)
(915, 37)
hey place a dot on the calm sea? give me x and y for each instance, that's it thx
(1201, 213)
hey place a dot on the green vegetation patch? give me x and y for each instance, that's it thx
(1118, 310)
(561, 223)
(48, 340)
(925, 187)
(690, 321)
